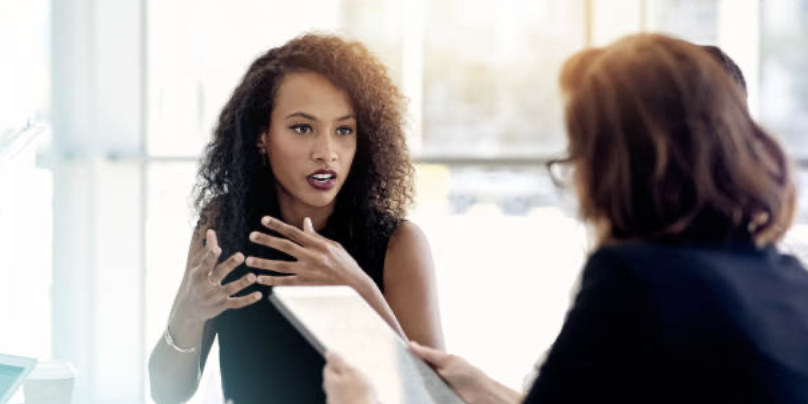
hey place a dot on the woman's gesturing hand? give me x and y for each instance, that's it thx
(202, 295)
(320, 261)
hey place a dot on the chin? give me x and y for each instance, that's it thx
(303, 196)
(320, 201)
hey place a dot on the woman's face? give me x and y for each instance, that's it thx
(311, 140)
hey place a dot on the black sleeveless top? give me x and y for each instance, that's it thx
(263, 358)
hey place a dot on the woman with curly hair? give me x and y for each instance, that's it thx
(307, 181)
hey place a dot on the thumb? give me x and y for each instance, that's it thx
(433, 357)
(335, 361)
(307, 226)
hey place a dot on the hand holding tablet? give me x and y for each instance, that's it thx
(336, 318)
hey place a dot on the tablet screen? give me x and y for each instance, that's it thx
(336, 318)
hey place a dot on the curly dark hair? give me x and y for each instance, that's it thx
(235, 188)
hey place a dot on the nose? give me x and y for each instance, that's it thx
(324, 149)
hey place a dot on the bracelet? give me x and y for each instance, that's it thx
(170, 341)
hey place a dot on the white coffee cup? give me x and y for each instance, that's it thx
(51, 382)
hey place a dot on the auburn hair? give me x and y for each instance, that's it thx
(664, 148)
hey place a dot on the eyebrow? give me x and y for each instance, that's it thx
(300, 114)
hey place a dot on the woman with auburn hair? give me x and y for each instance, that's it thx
(686, 299)
(307, 181)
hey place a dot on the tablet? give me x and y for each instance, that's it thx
(13, 371)
(336, 318)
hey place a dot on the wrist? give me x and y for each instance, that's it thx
(501, 394)
(186, 331)
(169, 340)
(179, 323)
(180, 318)
(364, 285)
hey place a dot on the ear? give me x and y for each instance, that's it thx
(261, 143)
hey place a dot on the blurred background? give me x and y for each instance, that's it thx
(105, 106)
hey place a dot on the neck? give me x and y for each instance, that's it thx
(293, 212)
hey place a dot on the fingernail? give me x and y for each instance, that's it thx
(251, 278)
(217, 251)
(250, 261)
(253, 236)
(265, 220)
(257, 295)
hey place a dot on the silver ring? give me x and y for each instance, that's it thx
(211, 282)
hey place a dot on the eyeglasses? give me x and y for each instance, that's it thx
(562, 171)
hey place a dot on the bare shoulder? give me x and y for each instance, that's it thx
(406, 239)
(408, 252)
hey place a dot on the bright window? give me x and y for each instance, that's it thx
(485, 113)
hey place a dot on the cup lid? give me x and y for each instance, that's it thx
(53, 369)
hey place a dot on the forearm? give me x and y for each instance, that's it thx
(371, 293)
(497, 393)
(174, 375)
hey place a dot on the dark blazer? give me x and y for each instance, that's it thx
(657, 323)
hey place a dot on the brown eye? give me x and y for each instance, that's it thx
(344, 131)
(301, 129)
